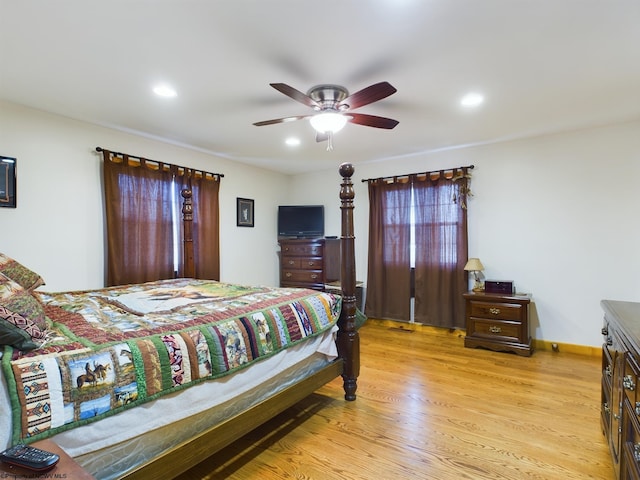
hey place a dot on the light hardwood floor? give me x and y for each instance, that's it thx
(429, 408)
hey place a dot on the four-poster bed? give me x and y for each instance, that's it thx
(187, 425)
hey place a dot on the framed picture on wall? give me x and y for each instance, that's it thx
(7, 182)
(244, 212)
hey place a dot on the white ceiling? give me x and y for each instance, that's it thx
(542, 65)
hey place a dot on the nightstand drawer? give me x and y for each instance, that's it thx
(499, 311)
(506, 330)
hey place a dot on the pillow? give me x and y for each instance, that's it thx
(19, 273)
(23, 324)
(12, 335)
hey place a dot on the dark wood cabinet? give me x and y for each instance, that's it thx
(309, 263)
(498, 322)
(332, 260)
(620, 408)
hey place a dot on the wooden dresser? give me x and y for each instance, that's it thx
(309, 263)
(498, 321)
(620, 408)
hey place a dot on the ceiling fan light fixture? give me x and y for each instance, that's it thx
(165, 91)
(328, 122)
(471, 100)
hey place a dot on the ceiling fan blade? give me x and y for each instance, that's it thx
(368, 95)
(280, 120)
(372, 120)
(297, 95)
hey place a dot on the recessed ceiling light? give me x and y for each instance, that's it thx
(164, 91)
(292, 142)
(472, 100)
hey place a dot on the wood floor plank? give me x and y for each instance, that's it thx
(429, 408)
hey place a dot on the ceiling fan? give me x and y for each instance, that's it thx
(334, 105)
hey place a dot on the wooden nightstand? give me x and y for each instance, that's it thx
(65, 468)
(498, 322)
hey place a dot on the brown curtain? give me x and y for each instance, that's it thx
(206, 225)
(388, 278)
(441, 248)
(139, 205)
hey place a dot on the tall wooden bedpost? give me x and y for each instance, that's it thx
(188, 264)
(348, 337)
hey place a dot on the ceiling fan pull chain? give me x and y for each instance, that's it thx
(330, 141)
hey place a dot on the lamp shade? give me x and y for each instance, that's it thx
(328, 122)
(474, 265)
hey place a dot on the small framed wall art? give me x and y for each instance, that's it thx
(244, 212)
(7, 182)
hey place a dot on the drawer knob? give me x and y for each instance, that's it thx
(637, 409)
(288, 274)
(605, 407)
(494, 311)
(291, 262)
(608, 371)
(605, 330)
(628, 383)
(636, 452)
(609, 341)
(314, 276)
(494, 329)
(311, 263)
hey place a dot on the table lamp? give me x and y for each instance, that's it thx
(474, 265)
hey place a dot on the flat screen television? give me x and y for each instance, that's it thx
(301, 221)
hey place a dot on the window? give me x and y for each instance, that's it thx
(418, 224)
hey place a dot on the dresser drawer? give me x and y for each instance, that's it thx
(505, 330)
(302, 250)
(612, 343)
(302, 276)
(630, 467)
(301, 263)
(631, 437)
(630, 380)
(499, 311)
(607, 367)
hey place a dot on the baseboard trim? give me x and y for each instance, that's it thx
(567, 348)
(540, 345)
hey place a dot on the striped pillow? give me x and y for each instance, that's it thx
(19, 273)
(23, 324)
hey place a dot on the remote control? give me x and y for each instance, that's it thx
(29, 457)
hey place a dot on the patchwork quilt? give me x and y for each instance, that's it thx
(116, 348)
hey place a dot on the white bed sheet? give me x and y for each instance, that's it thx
(82, 442)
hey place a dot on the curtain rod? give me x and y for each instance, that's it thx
(470, 167)
(100, 149)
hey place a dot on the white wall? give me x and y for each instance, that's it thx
(557, 214)
(57, 229)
